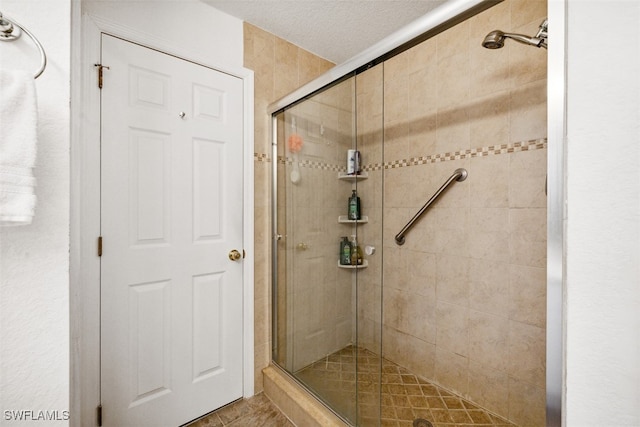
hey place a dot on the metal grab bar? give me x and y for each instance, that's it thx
(459, 175)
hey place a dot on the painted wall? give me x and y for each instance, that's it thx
(34, 259)
(603, 214)
(195, 29)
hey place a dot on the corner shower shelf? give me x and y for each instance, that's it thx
(365, 264)
(347, 177)
(344, 219)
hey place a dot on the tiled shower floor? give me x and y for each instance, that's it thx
(405, 396)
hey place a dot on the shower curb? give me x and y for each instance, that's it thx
(295, 402)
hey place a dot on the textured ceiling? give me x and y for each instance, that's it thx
(333, 29)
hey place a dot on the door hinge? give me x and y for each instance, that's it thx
(99, 245)
(99, 415)
(100, 68)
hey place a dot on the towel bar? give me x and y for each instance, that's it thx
(8, 34)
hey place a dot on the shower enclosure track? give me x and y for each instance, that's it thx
(459, 175)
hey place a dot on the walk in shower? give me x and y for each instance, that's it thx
(448, 326)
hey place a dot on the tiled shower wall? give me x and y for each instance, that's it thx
(280, 67)
(464, 299)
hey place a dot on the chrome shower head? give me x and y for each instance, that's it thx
(495, 39)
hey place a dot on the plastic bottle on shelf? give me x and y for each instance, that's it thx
(345, 251)
(354, 206)
(356, 252)
(353, 162)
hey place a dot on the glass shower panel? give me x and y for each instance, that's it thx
(370, 136)
(319, 315)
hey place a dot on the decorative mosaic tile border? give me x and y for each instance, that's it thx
(311, 164)
(493, 150)
(534, 144)
(261, 158)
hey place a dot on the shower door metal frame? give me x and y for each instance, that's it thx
(436, 21)
(556, 202)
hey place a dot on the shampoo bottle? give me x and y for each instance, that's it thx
(345, 251)
(354, 206)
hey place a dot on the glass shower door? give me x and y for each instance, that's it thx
(316, 333)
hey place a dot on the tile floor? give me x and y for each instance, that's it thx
(257, 411)
(405, 396)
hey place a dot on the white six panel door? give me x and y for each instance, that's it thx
(172, 183)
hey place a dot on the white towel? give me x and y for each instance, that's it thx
(18, 135)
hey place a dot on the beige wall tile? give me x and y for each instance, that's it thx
(420, 320)
(423, 55)
(528, 253)
(489, 387)
(453, 80)
(489, 182)
(528, 295)
(526, 63)
(528, 237)
(490, 68)
(423, 86)
(452, 371)
(399, 188)
(528, 119)
(489, 120)
(453, 132)
(524, 11)
(489, 287)
(421, 268)
(396, 100)
(394, 304)
(488, 239)
(396, 68)
(454, 41)
(489, 340)
(527, 178)
(452, 279)
(527, 353)
(526, 403)
(528, 224)
(451, 236)
(422, 133)
(285, 68)
(452, 328)
(395, 145)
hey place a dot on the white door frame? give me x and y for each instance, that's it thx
(85, 210)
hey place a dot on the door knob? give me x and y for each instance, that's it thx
(234, 255)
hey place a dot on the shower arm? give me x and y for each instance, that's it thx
(532, 41)
(459, 175)
(539, 40)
